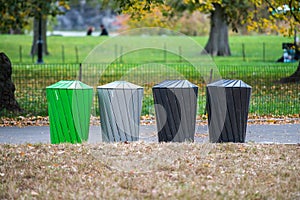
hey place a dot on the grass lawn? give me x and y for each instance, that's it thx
(63, 49)
(137, 67)
(268, 97)
(150, 171)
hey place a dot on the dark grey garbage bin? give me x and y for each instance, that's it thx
(175, 108)
(120, 105)
(228, 105)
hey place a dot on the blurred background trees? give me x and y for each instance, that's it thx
(17, 15)
(215, 18)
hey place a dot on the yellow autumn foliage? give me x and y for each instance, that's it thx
(272, 16)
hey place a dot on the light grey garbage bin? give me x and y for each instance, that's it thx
(228, 105)
(175, 109)
(120, 105)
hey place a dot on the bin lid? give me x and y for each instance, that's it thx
(120, 85)
(229, 83)
(175, 84)
(69, 85)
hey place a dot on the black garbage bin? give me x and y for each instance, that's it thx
(228, 105)
(120, 104)
(175, 108)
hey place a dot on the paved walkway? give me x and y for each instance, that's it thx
(287, 134)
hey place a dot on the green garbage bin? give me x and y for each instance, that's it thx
(69, 106)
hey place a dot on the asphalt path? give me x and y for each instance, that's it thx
(286, 134)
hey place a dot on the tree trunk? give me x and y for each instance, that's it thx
(217, 44)
(295, 77)
(36, 36)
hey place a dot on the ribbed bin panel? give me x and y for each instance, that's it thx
(228, 105)
(175, 108)
(69, 106)
(120, 105)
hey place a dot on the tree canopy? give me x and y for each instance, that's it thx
(257, 14)
(16, 14)
(276, 11)
(235, 11)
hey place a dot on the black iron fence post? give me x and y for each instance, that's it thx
(243, 52)
(20, 53)
(80, 72)
(40, 42)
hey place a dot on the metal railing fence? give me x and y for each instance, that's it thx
(268, 96)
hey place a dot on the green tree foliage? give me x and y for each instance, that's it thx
(16, 14)
(287, 11)
(280, 15)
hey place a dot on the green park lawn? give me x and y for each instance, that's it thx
(257, 68)
(58, 46)
(141, 170)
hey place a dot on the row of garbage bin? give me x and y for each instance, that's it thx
(120, 105)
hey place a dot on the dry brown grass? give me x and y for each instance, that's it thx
(21, 121)
(150, 171)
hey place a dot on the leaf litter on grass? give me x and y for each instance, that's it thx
(150, 171)
(22, 121)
